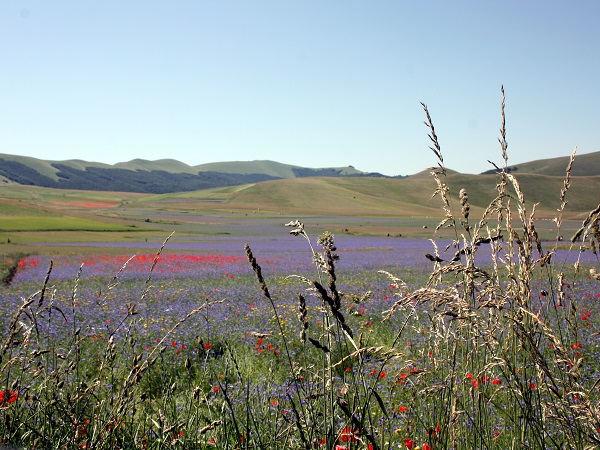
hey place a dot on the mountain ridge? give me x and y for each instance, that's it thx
(170, 175)
(155, 177)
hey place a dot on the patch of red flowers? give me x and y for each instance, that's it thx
(8, 397)
(348, 435)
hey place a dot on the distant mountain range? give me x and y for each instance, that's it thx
(154, 177)
(168, 175)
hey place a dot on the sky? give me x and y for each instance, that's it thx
(313, 83)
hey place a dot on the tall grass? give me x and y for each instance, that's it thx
(478, 357)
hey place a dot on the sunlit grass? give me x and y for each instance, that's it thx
(37, 223)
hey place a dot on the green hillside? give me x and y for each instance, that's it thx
(587, 164)
(32, 213)
(271, 168)
(156, 177)
(407, 197)
(266, 167)
(167, 165)
(326, 196)
(43, 167)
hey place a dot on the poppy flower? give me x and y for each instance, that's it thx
(348, 435)
(8, 396)
(409, 443)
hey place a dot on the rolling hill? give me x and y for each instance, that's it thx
(586, 165)
(272, 188)
(155, 177)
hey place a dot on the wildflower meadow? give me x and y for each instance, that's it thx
(487, 339)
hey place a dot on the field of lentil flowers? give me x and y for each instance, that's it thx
(486, 341)
(183, 348)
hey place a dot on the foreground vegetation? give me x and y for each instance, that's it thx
(496, 351)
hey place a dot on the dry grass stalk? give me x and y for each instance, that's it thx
(563, 192)
(147, 286)
(382, 352)
(303, 317)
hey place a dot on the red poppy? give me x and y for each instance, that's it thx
(403, 408)
(348, 435)
(8, 396)
(426, 447)
(409, 443)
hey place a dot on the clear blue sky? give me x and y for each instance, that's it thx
(319, 83)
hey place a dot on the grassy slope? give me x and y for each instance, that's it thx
(271, 168)
(408, 203)
(337, 196)
(167, 165)
(582, 196)
(587, 164)
(408, 197)
(326, 196)
(45, 166)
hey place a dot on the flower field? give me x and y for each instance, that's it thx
(241, 354)
(217, 270)
(489, 340)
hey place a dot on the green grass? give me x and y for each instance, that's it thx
(18, 209)
(37, 223)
